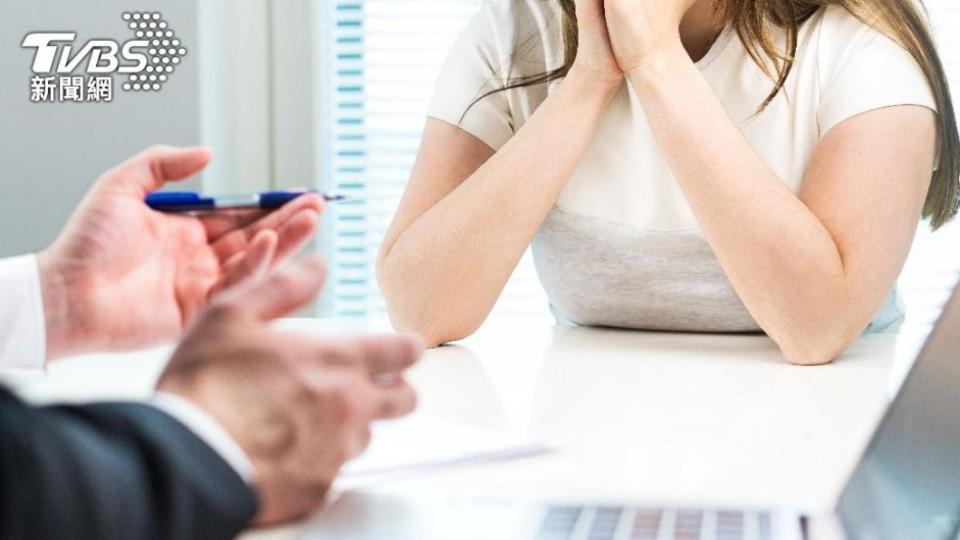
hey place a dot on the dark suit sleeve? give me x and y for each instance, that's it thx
(112, 471)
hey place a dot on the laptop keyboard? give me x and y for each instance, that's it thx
(621, 523)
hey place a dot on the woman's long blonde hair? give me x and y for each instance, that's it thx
(753, 20)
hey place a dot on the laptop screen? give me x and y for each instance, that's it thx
(907, 485)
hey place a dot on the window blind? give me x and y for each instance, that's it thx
(382, 62)
(385, 56)
(933, 267)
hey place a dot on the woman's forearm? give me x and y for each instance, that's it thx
(779, 256)
(443, 274)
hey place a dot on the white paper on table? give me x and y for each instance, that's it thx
(417, 445)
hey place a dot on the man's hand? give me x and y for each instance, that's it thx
(123, 276)
(298, 406)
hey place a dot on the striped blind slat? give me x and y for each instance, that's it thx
(934, 263)
(385, 58)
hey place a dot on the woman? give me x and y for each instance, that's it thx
(692, 165)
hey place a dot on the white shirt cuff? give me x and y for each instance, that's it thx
(23, 332)
(208, 430)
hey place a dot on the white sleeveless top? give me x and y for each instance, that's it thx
(622, 246)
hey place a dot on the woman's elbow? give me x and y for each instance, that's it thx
(810, 355)
(814, 348)
(433, 330)
(412, 311)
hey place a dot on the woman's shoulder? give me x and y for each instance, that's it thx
(521, 37)
(513, 22)
(522, 11)
(860, 66)
(838, 18)
(840, 32)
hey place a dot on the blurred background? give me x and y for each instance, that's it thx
(293, 93)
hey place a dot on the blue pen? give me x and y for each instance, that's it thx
(185, 201)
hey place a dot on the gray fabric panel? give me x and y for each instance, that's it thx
(601, 273)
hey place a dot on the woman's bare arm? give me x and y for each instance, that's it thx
(813, 268)
(468, 214)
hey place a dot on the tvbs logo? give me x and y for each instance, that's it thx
(67, 72)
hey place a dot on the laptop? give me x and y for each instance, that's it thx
(906, 486)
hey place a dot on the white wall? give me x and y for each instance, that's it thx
(235, 94)
(51, 153)
(258, 92)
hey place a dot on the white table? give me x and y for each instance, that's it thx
(638, 416)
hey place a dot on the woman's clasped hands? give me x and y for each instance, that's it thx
(618, 37)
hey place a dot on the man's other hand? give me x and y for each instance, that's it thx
(299, 406)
